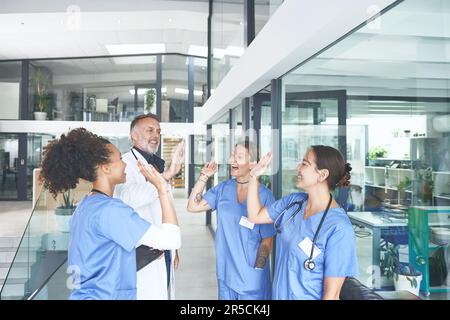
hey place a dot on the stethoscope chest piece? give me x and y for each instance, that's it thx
(309, 264)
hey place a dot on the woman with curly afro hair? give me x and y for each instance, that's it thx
(104, 231)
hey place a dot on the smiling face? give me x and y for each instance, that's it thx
(307, 173)
(240, 162)
(146, 135)
(116, 166)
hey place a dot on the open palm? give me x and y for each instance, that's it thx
(177, 158)
(262, 165)
(209, 169)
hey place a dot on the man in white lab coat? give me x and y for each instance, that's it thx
(156, 280)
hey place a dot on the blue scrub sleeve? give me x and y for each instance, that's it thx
(277, 207)
(119, 223)
(340, 254)
(212, 196)
(267, 230)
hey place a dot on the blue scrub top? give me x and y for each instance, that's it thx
(104, 232)
(237, 246)
(336, 241)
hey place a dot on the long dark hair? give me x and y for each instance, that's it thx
(331, 159)
(71, 157)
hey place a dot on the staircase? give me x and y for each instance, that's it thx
(18, 277)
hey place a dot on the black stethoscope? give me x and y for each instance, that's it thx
(309, 263)
(132, 151)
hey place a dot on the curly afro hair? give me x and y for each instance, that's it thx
(71, 157)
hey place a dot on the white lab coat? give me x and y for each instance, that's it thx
(142, 196)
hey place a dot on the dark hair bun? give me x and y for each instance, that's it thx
(348, 168)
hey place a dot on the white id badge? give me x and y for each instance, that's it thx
(245, 223)
(306, 245)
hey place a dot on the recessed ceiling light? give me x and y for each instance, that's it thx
(136, 48)
(170, 19)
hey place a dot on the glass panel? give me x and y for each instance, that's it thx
(174, 107)
(237, 125)
(91, 89)
(35, 145)
(199, 155)
(263, 11)
(56, 287)
(9, 157)
(398, 113)
(306, 121)
(262, 100)
(43, 248)
(227, 28)
(10, 75)
(200, 82)
(221, 150)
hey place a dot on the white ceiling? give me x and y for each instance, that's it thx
(66, 28)
(42, 29)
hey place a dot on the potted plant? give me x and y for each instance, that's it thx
(40, 82)
(425, 179)
(404, 184)
(375, 153)
(64, 212)
(405, 276)
(149, 100)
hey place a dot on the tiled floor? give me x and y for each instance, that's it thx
(195, 278)
(14, 216)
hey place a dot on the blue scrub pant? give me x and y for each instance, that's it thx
(226, 293)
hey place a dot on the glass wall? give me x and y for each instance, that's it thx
(263, 11)
(9, 160)
(92, 89)
(221, 147)
(227, 37)
(10, 75)
(174, 107)
(111, 89)
(391, 79)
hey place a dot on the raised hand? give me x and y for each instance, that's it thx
(209, 169)
(152, 175)
(261, 166)
(177, 159)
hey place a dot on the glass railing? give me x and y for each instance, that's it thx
(55, 288)
(42, 252)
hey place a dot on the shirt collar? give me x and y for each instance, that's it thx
(147, 156)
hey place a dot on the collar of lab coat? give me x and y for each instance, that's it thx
(138, 155)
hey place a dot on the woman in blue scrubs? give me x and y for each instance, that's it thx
(242, 248)
(104, 231)
(315, 247)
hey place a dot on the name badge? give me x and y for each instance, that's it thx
(245, 223)
(306, 246)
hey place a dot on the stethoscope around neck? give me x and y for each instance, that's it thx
(309, 263)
